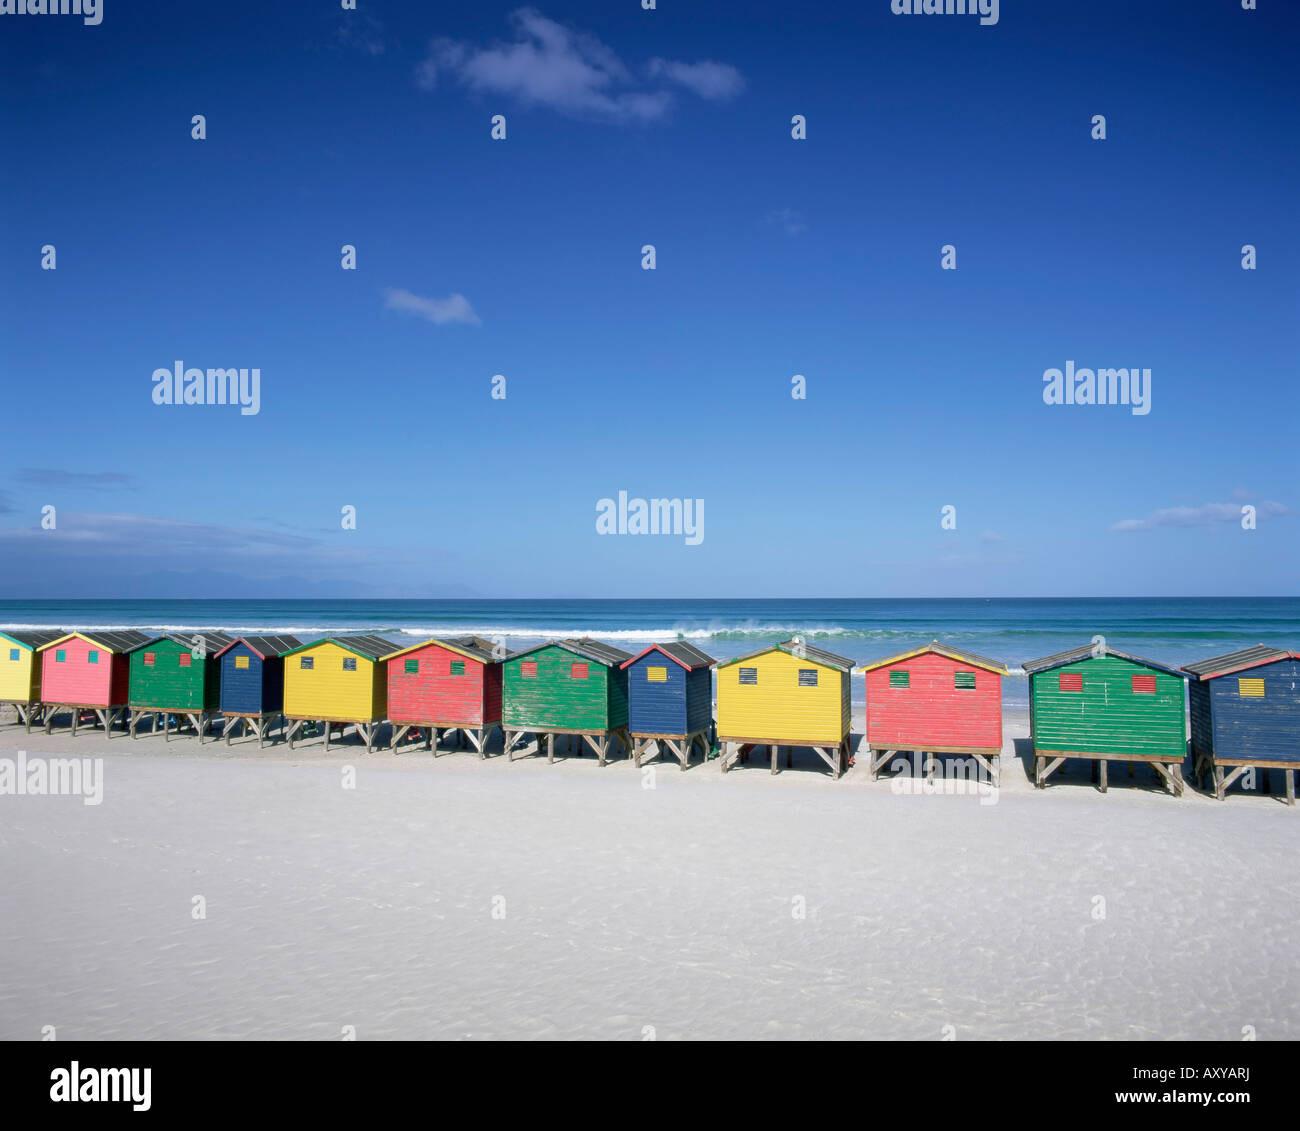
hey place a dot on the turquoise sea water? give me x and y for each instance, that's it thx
(1175, 631)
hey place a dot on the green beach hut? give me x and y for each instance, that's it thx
(573, 687)
(177, 675)
(1101, 705)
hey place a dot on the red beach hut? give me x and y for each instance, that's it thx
(452, 684)
(936, 700)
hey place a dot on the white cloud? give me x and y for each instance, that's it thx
(714, 81)
(439, 311)
(548, 64)
(788, 219)
(1207, 514)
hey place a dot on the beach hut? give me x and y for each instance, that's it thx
(337, 681)
(789, 694)
(1245, 710)
(252, 683)
(83, 671)
(176, 675)
(934, 700)
(20, 672)
(670, 700)
(446, 685)
(1101, 705)
(573, 687)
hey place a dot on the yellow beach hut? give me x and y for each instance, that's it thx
(789, 694)
(20, 672)
(337, 681)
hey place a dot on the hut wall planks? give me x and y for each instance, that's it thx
(327, 690)
(1107, 716)
(931, 710)
(1264, 727)
(777, 706)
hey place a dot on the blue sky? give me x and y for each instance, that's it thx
(775, 257)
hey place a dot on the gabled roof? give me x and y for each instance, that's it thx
(368, 647)
(211, 640)
(263, 646)
(475, 647)
(120, 641)
(1238, 661)
(595, 650)
(33, 639)
(795, 647)
(687, 655)
(994, 666)
(1088, 652)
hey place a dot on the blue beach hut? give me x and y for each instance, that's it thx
(252, 682)
(1245, 709)
(670, 700)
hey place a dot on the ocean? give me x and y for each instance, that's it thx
(1173, 630)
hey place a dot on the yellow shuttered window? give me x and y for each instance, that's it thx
(656, 675)
(1250, 688)
(241, 661)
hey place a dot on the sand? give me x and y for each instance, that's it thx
(459, 898)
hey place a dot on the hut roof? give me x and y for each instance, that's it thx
(1088, 651)
(796, 647)
(595, 650)
(1238, 661)
(475, 647)
(118, 641)
(264, 646)
(31, 640)
(366, 646)
(687, 655)
(220, 640)
(994, 666)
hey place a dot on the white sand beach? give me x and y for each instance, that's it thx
(459, 898)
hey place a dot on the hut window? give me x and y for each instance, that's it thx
(241, 661)
(60, 656)
(578, 671)
(411, 667)
(458, 667)
(184, 659)
(306, 663)
(1144, 684)
(900, 678)
(1070, 681)
(807, 677)
(652, 675)
(349, 663)
(528, 669)
(150, 658)
(1250, 688)
(92, 657)
(963, 681)
(748, 675)
(13, 653)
